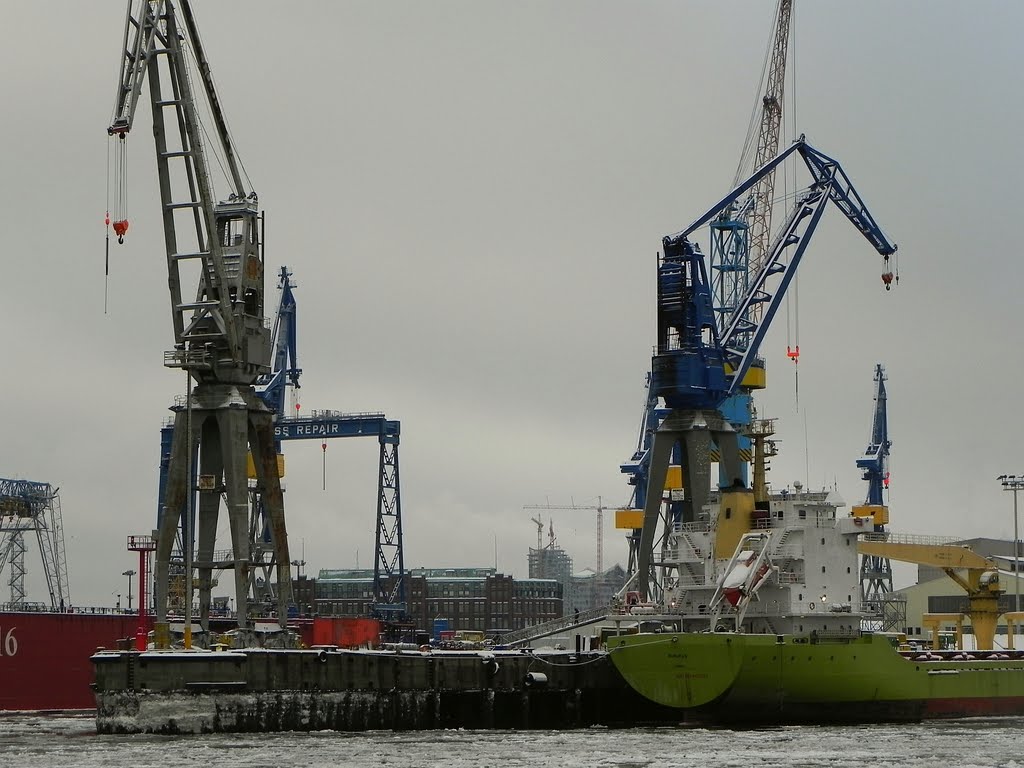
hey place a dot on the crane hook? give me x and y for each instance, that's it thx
(120, 227)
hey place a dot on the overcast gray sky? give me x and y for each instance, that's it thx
(471, 196)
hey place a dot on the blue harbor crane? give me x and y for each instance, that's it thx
(875, 570)
(738, 243)
(696, 367)
(389, 599)
(285, 372)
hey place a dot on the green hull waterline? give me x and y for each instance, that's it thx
(728, 676)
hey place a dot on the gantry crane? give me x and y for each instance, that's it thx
(221, 340)
(272, 388)
(599, 508)
(389, 559)
(31, 507)
(695, 369)
(980, 577)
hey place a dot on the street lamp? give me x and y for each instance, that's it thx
(1014, 483)
(129, 573)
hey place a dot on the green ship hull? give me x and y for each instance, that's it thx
(718, 677)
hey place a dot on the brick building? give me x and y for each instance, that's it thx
(469, 598)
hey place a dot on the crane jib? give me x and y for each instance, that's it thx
(695, 366)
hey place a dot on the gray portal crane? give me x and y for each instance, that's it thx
(221, 337)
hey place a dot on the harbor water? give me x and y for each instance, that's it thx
(68, 741)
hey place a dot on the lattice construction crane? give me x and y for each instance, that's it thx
(221, 338)
(740, 234)
(695, 369)
(599, 508)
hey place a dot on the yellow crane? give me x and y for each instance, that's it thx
(976, 574)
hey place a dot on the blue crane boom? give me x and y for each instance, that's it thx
(875, 570)
(285, 371)
(696, 367)
(875, 461)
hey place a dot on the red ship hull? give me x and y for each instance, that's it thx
(45, 657)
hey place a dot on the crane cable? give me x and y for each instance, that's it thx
(106, 230)
(191, 56)
(119, 223)
(120, 169)
(793, 296)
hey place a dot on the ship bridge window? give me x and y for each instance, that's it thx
(728, 513)
(803, 514)
(779, 514)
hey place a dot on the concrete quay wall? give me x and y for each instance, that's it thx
(277, 690)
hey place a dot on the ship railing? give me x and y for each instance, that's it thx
(790, 577)
(524, 636)
(27, 607)
(829, 607)
(837, 634)
(794, 551)
(672, 555)
(699, 526)
(46, 608)
(765, 608)
(684, 579)
(909, 538)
